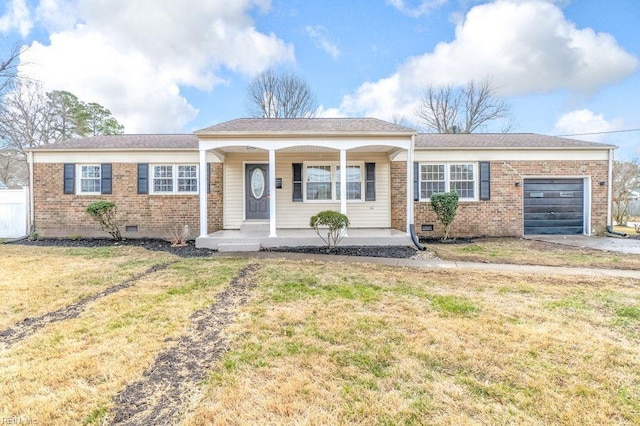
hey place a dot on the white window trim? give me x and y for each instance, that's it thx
(334, 181)
(174, 179)
(447, 178)
(79, 179)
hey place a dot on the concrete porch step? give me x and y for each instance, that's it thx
(239, 246)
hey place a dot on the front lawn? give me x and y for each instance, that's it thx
(315, 343)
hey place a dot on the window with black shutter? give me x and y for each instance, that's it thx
(370, 181)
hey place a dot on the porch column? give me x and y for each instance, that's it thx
(203, 193)
(410, 186)
(343, 181)
(272, 193)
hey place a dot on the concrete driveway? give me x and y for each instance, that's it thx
(622, 245)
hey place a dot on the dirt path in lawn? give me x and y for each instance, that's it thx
(165, 389)
(29, 325)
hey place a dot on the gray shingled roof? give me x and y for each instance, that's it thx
(425, 141)
(305, 126)
(115, 142)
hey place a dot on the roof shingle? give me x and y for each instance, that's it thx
(306, 126)
(114, 142)
(425, 141)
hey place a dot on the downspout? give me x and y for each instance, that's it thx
(411, 212)
(610, 189)
(32, 212)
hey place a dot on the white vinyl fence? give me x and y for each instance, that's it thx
(14, 212)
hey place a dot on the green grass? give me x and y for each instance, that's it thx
(453, 305)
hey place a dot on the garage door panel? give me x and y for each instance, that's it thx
(555, 222)
(554, 187)
(553, 230)
(569, 208)
(553, 206)
(553, 202)
(553, 216)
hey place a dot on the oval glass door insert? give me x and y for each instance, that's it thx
(257, 183)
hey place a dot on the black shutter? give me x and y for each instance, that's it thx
(69, 183)
(105, 179)
(143, 178)
(485, 180)
(297, 182)
(416, 181)
(370, 181)
(208, 178)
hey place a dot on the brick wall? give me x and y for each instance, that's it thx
(64, 215)
(503, 214)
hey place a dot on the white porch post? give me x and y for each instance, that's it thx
(410, 186)
(272, 193)
(343, 181)
(203, 193)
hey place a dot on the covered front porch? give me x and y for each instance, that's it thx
(278, 173)
(254, 238)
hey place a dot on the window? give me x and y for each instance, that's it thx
(90, 179)
(322, 182)
(354, 183)
(174, 178)
(436, 178)
(319, 183)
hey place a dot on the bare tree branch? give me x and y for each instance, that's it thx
(626, 178)
(443, 108)
(274, 95)
(9, 67)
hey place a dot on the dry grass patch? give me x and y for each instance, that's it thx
(37, 280)
(529, 252)
(68, 372)
(376, 345)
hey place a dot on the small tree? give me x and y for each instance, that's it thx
(104, 212)
(335, 222)
(445, 204)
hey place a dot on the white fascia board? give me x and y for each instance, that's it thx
(121, 157)
(278, 144)
(506, 155)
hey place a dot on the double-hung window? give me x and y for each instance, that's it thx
(90, 178)
(446, 177)
(354, 182)
(174, 178)
(322, 182)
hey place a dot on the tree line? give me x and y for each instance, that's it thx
(31, 117)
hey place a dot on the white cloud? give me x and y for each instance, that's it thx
(319, 35)
(525, 46)
(583, 121)
(422, 8)
(134, 57)
(16, 17)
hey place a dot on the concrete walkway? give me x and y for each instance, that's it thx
(438, 264)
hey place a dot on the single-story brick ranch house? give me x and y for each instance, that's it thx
(262, 180)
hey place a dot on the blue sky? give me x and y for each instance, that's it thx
(163, 66)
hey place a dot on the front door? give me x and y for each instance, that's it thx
(257, 191)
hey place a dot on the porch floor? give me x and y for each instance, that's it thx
(237, 240)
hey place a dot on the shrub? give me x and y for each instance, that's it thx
(445, 204)
(104, 212)
(334, 222)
